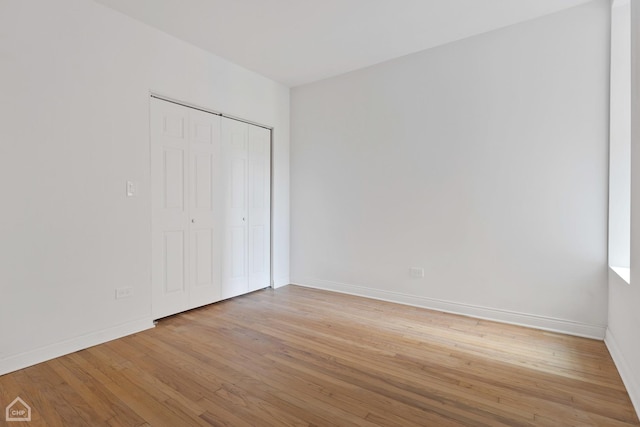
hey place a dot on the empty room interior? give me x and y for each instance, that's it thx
(328, 213)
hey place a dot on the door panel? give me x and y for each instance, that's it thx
(204, 208)
(185, 163)
(258, 254)
(169, 225)
(238, 185)
(174, 253)
(234, 153)
(173, 122)
(238, 248)
(173, 182)
(203, 256)
(259, 208)
(203, 182)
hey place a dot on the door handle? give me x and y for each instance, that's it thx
(193, 220)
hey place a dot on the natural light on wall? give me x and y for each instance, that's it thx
(620, 140)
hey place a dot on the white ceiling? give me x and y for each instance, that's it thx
(301, 41)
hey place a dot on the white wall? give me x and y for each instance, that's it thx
(483, 161)
(75, 79)
(623, 336)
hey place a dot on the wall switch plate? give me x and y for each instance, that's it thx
(132, 189)
(124, 292)
(416, 272)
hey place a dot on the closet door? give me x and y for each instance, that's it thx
(235, 136)
(185, 165)
(259, 226)
(246, 154)
(170, 216)
(204, 208)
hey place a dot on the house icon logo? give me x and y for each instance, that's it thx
(18, 410)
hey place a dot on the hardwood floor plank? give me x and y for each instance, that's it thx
(102, 394)
(305, 357)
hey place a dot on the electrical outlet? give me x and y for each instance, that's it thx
(416, 272)
(124, 292)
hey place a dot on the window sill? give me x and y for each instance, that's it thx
(623, 272)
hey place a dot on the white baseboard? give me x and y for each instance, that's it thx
(631, 382)
(39, 355)
(503, 316)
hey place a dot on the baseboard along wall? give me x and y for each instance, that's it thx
(42, 354)
(504, 316)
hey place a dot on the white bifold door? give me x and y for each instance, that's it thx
(210, 207)
(247, 217)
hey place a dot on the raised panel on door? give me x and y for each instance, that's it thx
(174, 275)
(204, 208)
(202, 254)
(173, 180)
(169, 183)
(259, 179)
(234, 181)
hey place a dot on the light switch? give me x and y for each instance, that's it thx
(132, 189)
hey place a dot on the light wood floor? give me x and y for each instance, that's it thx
(303, 357)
